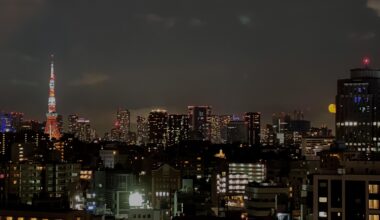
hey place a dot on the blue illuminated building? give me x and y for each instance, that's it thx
(358, 110)
(6, 123)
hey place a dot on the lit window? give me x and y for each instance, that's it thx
(373, 217)
(373, 204)
(20, 218)
(322, 199)
(322, 214)
(373, 188)
(9, 218)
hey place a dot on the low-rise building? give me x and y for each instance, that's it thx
(165, 182)
(265, 199)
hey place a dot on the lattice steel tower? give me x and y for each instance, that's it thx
(51, 127)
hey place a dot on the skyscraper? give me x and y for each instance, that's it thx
(253, 127)
(358, 109)
(51, 127)
(199, 117)
(178, 129)
(216, 129)
(6, 123)
(84, 132)
(81, 128)
(123, 120)
(121, 129)
(281, 122)
(17, 119)
(142, 130)
(72, 125)
(237, 132)
(224, 121)
(158, 125)
(60, 123)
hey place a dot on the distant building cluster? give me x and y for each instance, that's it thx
(196, 165)
(81, 128)
(163, 129)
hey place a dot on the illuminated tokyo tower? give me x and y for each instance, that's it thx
(51, 127)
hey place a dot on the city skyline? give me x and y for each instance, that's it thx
(233, 57)
(177, 109)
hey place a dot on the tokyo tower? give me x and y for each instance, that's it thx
(51, 127)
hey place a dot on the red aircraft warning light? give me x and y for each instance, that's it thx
(366, 61)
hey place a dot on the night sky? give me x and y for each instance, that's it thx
(236, 56)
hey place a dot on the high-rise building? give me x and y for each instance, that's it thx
(51, 127)
(6, 123)
(268, 137)
(115, 134)
(178, 129)
(81, 128)
(199, 117)
(253, 127)
(122, 125)
(237, 132)
(358, 109)
(72, 125)
(224, 121)
(11, 122)
(84, 132)
(142, 130)
(32, 125)
(158, 125)
(60, 123)
(281, 122)
(17, 119)
(216, 129)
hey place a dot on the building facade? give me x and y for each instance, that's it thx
(178, 128)
(165, 182)
(142, 131)
(158, 125)
(253, 120)
(358, 110)
(200, 126)
(237, 132)
(265, 200)
(349, 196)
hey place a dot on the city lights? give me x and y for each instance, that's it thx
(189, 110)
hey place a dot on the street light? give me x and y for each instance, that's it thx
(135, 199)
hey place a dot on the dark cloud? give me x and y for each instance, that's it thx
(155, 19)
(237, 56)
(196, 22)
(362, 36)
(90, 80)
(18, 82)
(245, 20)
(374, 5)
